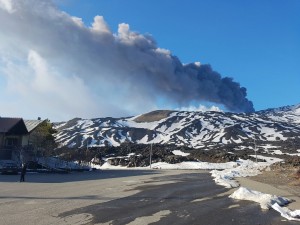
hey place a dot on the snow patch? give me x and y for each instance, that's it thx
(265, 200)
(178, 152)
(287, 213)
(245, 168)
(194, 165)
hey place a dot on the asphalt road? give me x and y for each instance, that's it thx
(125, 197)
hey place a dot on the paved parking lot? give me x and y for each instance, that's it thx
(44, 197)
(124, 197)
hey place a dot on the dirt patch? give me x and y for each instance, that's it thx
(286, 173)
(278, 177)
(153, 116)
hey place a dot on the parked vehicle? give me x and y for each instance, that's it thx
(9, 167)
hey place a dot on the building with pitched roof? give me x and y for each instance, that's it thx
(15, 138)
(31, 126)
(12, 131)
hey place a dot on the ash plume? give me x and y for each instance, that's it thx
(210, 86)
(52, 59)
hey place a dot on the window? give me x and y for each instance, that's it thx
(11, 142)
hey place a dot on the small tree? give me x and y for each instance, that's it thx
(42, 138)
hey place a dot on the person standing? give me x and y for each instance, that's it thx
(23, 172)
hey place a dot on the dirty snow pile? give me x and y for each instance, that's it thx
(248, 168)
(287, 213)
(245, 168)
(267, 201)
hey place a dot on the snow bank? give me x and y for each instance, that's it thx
(107, 166)
(177, 166)
(194, 165)
(249, 168)
(245, 168)
(265, 200)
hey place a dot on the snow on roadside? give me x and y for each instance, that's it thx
(107, 166)
(250, 168)
(287, 213)
(177, 166)
(194, 165)
(245, 168)
(265, 200)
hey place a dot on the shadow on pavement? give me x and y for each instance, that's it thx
(76, 176)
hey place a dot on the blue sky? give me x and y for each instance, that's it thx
(255, 42)
(62, 59)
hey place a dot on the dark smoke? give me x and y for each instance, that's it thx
(200, 83)
(208, 85)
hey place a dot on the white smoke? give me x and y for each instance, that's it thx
(52, 65)
(200, 108)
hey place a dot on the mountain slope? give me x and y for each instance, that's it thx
(195, 129)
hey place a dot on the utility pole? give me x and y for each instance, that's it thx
(255, 150)
(87, 149)
(150, 155)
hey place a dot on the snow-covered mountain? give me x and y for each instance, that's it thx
(194, 129)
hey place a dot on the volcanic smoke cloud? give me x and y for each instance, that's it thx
(51, 60)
